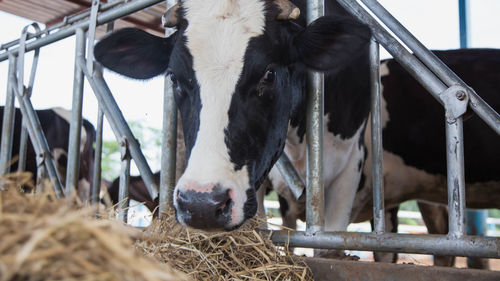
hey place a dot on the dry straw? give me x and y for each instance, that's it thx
(242, 254)
(42, 238)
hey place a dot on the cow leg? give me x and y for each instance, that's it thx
(391, 225)
(435, 217)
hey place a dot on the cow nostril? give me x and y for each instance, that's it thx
(224, 208)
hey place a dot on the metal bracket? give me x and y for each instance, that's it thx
(124, 150)
(455, 100)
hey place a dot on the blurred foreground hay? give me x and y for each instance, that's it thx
(42, 238)
(242, 254)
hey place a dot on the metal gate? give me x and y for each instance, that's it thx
(440, 81)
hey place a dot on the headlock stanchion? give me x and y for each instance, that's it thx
(429, 71)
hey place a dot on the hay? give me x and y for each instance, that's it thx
(47, 239)
(242, 254)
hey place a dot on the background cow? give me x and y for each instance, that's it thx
(55, 125)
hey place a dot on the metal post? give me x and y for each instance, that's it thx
(75, 128)
(123, 189)
(464, 22)
(96, 180)
(169, 141)
(315, 203)
(119, 125)
(8, 121)
(376, 131)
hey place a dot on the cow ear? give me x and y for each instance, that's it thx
(135, 53)
(330, 43)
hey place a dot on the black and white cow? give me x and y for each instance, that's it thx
(238, 70)
(55, 125)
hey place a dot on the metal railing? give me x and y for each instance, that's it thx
(438, 79)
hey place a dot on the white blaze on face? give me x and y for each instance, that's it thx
(217, 38)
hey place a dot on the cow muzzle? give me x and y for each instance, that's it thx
(208, 207)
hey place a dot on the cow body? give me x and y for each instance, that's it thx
(55, 125)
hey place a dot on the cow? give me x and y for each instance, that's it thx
(238, 70)
(55, 125)
(415, 148)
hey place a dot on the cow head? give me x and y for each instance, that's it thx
(238, 74)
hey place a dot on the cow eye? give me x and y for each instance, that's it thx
(269, 76)
(172, 77)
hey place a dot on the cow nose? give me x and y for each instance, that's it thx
(204, 210)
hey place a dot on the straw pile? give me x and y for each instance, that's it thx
(242, 254)
(46, 239)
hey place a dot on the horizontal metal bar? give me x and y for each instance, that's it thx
(105, 17)
(470, 246)
(67, 21)
(479, 106)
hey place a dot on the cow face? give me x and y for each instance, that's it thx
(238, 74)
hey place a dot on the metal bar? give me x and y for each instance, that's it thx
(455, 176)
(75, 127)
(123, 187)
(315, 203)
(96, 180)
(8, 121)
(388, 242)
(114, 115)
(478, 105)
(67, 21)
(291, 177)
(169, 139)
(105, 17)
(376, 135)
(463, 22)
(38, 138)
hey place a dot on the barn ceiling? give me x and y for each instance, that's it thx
(50, 12)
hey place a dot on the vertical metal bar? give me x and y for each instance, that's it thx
(123, 191)
(169, 140)
(75, 128)
(8, 121)
(96, 180)
(455, 176)
(315, 194)
(376, 131)
(463, 21)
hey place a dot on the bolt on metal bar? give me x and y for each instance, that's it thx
(114, 115)
(123, 187)
(169, 140)
(376, 135)
(456, 179)
(8, 121)
(478, 105)
(105, 17)
(67, 21)
(388, 242)
(315, 204)
(291, 177)
(75, 128)
(38, 138)
(96, 176)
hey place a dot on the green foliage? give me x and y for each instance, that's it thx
(149, 139)
(409, 206)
